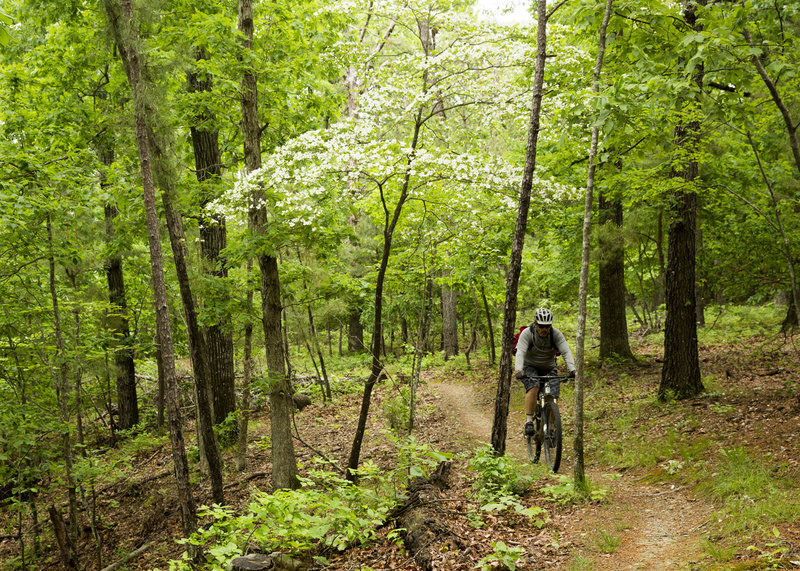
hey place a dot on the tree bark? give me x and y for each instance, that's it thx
(680, 375)
(197, 351)
(578, 471)
(213, 241)
(127, 400)
(502, 399)
(284, 461)
(355, 332)
(489, 326)
(614, 343)
(61, 386)
(121, 20)
(449, 319)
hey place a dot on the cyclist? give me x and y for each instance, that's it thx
(537, 349)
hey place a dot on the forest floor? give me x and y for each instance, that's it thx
(652, 467)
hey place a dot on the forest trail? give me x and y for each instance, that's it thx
(647, 527)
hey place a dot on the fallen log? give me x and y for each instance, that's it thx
(420, 519)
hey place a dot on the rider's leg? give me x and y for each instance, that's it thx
(530, 400)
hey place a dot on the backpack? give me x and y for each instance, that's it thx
(523, 328)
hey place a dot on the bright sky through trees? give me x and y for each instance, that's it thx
(505, 11)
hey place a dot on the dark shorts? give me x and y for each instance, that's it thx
(531, 379)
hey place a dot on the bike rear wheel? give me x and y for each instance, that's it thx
(552, 435)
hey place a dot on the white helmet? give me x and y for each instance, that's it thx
(544, 316)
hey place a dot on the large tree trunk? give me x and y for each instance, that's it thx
(121, 19)
(213, 241)
(613, 321)
(355, 332)
(284, 461)
(502, 399)
(449, 320)
(680, 376)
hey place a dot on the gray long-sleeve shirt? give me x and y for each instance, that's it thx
(536, 351)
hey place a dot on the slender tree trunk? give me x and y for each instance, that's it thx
(500, 423)
(284, 462)
(121, 19)
(578, 469)
(489, 326)
(62, 394)
(247, 371)
(390, 222)
(199, 358)
(680, 375)
(326, 385)
(423, 331)
(791, 130)
(614, 343)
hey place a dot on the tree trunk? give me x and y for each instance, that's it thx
(377, 334)
(355, 332)
(126, 38)
(127, 401)
(247, 370)
(500, 423)
(326, 385)
(449, 319)
(197, 351)
(578, 471)
(213, 241)
(614, 342)
(61, 386)
(680, 376)
(284, 461)
(489, 326)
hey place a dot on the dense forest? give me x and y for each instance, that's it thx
(214, 213)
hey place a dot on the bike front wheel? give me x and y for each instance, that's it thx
(552, 436)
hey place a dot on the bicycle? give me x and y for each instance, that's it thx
(547, 427)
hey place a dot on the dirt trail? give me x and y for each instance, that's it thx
(642, 526)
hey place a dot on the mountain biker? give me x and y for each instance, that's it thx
(536, 357)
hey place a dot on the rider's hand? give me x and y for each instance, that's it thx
(571, 374)
(519, 373)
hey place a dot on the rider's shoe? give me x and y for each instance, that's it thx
(530, 431)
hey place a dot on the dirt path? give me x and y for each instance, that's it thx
(640, 527)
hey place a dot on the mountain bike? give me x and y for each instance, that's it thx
(547, 424)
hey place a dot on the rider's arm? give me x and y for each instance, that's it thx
(563, 348)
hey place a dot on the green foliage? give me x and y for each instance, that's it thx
(497, 476)
(502, 555)
(774, 553)
(396, 409)
(752, 496)
(498, 485)
(566, 492)
(327, 512)
(227, 431)
(415, 458)
(607, 542)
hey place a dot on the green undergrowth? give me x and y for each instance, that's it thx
(327, 514)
